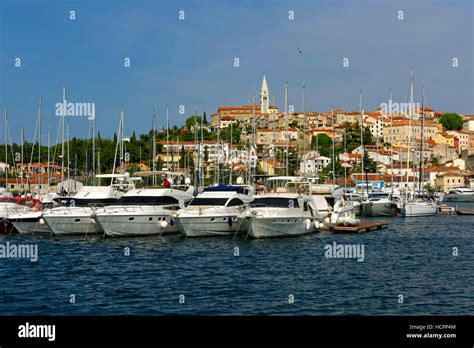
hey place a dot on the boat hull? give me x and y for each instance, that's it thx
(275, 227)
(413, 210)
(30, 225)
(459, 198)
(141, 225)
(209, 225)
(72, 224)
(380, 209)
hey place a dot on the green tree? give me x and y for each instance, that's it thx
(324, 144)
(370, 166)
(451, 121)
(206, 153)
(204, 120)
(192, 121)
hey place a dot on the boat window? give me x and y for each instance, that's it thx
(208, 201)
(235, 202)
(275, 202)
(160, 200)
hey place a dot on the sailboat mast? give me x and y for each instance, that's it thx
(22, 152)
(40, 107)
(304, 129)
(286, 128)
(218, 148)
(420, 188)
(6, 148)
(254, 141)
(202, 154)
(93, 152)
(230, 156)
(410, 116)
(68, 157)
(49, 158)
(153, 161)
(63, 115)
(167, 139)
(362, 143)
(333, 149)
(391, 130)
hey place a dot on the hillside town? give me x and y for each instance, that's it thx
(381, 147)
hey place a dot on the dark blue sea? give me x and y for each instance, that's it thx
(413, 257)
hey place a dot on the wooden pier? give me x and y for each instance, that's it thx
(465, 212)
(363, 226)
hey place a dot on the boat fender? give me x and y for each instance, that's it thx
(41, 221)
(171, 222)
(316, 224)
(229, 221)
(308, 224)
(163, 224)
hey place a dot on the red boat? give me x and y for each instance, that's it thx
(6, 203)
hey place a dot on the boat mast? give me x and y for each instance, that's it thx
(167, 140)
(40, 107)
(6, 148)
(218, 148)
(230, 156)
(202, 154)
(93, 152)
(22, 153)
(49, 159)
(286, 128)
(333, 149)
(420, 187)
(68, 157)
(362, 144)
(63, 114)
(410, 116)
(254, 138)
(391, 130)
(304, 130)
(153, 126)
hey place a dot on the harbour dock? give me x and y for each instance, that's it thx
(465, 212)
(363, 226)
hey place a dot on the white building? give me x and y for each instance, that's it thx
(312, 163)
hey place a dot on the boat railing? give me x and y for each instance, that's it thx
(131, 208)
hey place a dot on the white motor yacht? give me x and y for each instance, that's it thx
(460, 194)
(75, 218)
(143, 212)
(214, 212)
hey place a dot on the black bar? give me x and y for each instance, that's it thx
(243, 330)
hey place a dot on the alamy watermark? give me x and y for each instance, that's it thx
(19, 251)
(400, 108)
(76, 109)
(345, 251)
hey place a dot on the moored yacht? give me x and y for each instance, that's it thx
(418, 206)
(75, 219)
(287, 211)
(10, 206)
(279, 215)
(379, 204)
(142, 212)
(460, 194)
(214, 212)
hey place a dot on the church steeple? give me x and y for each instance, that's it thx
(264, 97)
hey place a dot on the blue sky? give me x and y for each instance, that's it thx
(190, 62)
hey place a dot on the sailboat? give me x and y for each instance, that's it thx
(418, 204)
